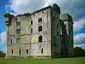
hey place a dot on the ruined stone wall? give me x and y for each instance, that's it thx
(55, 34)
(37, 46)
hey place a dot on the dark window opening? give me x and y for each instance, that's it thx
(40, 20)
(40, 38)
(54, 38)
(19, 51)
(40, 28)
(41, 51)
(57, 34)
(31, 22)
(31, 30)
(12, 51)
(11, 41)
(17, 23)
(18, 31)
(54, 19)
(27, 51)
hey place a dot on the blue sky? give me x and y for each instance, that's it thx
(76, 8)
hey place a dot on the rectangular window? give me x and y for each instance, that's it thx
(40, 38)
(31, 22)
(17, 23)
(40, 20)
(40, 28)
(31, 30)
(11, 41)
(18, 31)
(54, 38)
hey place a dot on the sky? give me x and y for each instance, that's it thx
(76, 8)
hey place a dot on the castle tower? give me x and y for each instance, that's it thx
(69, 28)
(8, 21)
(55, 31)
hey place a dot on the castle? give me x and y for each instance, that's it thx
(45, 33)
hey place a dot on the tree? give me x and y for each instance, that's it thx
(78, 51)
(2, 54)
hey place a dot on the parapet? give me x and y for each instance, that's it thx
(66, 17)
(8, 19)
(56, 8)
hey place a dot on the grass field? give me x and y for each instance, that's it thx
(79, 60)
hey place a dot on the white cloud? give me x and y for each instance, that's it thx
(79, 39)
(3, 41)
(78, 25)
(75, 8)
(24, 6)
(3, 36)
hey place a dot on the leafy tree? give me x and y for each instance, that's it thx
(2, 54)
(78, 51)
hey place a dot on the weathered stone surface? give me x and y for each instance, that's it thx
(23, 34)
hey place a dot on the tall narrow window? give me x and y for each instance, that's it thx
(19, 51)
(54, 19)
(31, 30)
(41, 51)
(54, 41)
(27, 51)
(40, 20)
(12, 51)
(31, 22)
(57, 25)
(40, 38)
(40, 28)
(11, 41)
(54, 38)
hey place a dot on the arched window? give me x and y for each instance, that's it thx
(42, 51)
(12, 51)
(40, 39)
(27, 51)
(19, 51)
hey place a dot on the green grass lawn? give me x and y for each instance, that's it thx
(79, 60)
